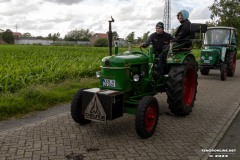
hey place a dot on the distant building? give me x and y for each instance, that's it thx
(97, 36)
(121, 42)
(17, 35)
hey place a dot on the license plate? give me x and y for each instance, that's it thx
(206, 61)
(109, 83)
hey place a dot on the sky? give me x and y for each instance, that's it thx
(41, 17)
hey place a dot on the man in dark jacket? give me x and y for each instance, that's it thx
(160, 41)
(183, 34)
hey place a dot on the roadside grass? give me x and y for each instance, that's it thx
(41, 97)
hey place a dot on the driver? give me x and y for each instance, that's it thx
(160, 41)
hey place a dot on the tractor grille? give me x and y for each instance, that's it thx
(207, 53)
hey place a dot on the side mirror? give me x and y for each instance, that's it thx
(198, 27)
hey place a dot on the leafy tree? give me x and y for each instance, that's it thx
(101, 42)
(227, 13)
(54, 36)
(27, 34)
(145, 36)
(139, 40)
(78, 35)
(8, 37)
(130, 37)
(115, 35)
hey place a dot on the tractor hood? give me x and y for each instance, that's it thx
(125, 59)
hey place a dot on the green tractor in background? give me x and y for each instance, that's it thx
(219, 51)
(128, 84)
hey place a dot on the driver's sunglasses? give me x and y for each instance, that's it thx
(158, 28)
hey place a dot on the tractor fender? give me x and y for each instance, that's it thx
(178, 58)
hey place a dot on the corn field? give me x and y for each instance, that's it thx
(21, 66)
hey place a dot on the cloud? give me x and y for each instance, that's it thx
(52, 16)
(66, 2)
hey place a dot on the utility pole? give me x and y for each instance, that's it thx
(16, 27)
(167, 16)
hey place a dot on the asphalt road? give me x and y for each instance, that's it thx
(52, 134)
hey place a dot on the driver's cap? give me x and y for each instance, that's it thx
(160, 24)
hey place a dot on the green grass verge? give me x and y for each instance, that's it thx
(39, 97)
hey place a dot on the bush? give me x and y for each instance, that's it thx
(101, 42)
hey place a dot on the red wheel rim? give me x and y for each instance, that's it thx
(189, 86)
(234, 63)
(150, 118)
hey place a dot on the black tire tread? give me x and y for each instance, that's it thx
(175, 88)
(76, 109)
(140, 116)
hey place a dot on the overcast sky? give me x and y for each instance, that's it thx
(41, 17)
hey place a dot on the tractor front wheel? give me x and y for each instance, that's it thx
(231, 64)
(204, 71)
(224, 71)
(147, 116)
(182, 87)
(76, 109)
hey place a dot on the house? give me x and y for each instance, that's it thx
(17, 35)
(97, 36)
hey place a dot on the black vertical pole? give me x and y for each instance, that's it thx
(110, 36)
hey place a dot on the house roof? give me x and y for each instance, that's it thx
(18, 34)
(101, 35)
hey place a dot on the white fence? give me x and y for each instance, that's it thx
(49, 42)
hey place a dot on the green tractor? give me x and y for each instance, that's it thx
(219, 51)
(128, 84)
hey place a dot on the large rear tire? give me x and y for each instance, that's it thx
(231, 64)
(76, 109)
(147, 116)
(182, 87)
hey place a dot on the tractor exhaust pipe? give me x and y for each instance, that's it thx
(110, 36)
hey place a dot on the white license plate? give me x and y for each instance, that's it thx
(109, 83)
(206, 61)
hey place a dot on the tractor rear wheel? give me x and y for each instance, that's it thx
(231, 64)
(224, 71)
(204, 71)
(147, 116)
(76, 109)
(182, 87)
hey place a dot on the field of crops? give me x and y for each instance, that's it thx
(24, 65)
(21, 66)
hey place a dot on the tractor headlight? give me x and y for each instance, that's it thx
(210, 58)
(202, 57)
(98, 74)
(136, 77)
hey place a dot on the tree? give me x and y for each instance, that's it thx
(27, 34)
(139, 40)
(130, 37)
(54, 36)
(145, 36)
(101, 42)
(78, 35)
(8, 37)
(227, 13)
(115, 35)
